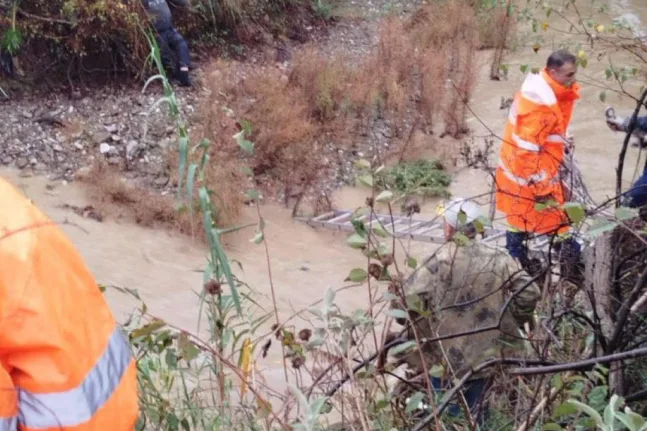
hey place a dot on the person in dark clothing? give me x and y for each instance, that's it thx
(173, 47)
(636, 196)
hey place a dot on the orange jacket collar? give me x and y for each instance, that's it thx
(561, 92)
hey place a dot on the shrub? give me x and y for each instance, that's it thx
(327, 104)
(422, 177)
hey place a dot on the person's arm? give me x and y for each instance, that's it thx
(620, 124)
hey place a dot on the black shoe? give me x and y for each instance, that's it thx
(183, 78)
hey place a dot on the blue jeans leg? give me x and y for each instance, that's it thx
(636, 197)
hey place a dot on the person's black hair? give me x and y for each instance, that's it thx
(559, 58)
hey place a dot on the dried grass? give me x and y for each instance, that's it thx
(324, 101)
(114, 196)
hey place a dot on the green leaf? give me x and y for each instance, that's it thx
(377, 230)
(625, 213)
(244, 143)
(603, 96)
(540, 206)
(357, 275)
(258, 238)
(414, 402)
(632, 420)
(590, 411)
(148, 329)
(253, 194)
(360, 228)
(356, 241)
(190, 181)
(523, 68)
(412, 262)
(461, 239)
(398, 314)
(329, 297)
(551, 427)
(575, 211)
(600, 227)
(301, 399)
(385, 196)
(403, 347)
(247, 171)
(188, 350)
(437, 371)
(184, 154)
(564, 409)
(366, 180)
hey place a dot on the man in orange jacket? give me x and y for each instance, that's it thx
(534, 145)
(64, 363)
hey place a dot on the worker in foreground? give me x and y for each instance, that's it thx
(464, 287)
(529, 187)
(65, 364)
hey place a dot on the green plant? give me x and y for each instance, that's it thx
(421, 177)
(175, 368)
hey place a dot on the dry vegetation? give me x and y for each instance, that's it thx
(414, 83)
(417, 79)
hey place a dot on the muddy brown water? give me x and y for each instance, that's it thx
(165, 267)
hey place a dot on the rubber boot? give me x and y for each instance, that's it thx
(514, 243)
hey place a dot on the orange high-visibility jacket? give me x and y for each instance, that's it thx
(64, 364)
(531, 154)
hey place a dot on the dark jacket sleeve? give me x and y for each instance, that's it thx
(641, 124)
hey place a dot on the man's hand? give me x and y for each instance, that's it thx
(613, 122)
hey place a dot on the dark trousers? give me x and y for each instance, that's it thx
(568, 250)
(474, 393)
(174, 49)
(636, 197)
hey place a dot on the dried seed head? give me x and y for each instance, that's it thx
(387, 259)
(305, 334)
(297, 362)
(213, 287)
(375, 270)
(277, 330)
(266, 347)
(411, 206)
(370, 202)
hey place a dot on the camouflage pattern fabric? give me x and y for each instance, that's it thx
(461, 289)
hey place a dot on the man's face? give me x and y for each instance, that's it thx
(565, 75)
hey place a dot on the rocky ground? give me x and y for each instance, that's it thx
(58, 135)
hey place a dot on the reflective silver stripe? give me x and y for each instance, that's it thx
(521, 181)
(556, 138)
(525, 145)
(9, 424)
(512, 116)
(77, 406)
